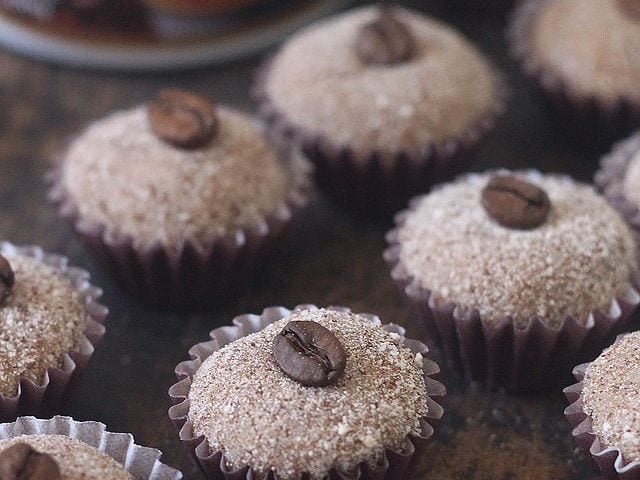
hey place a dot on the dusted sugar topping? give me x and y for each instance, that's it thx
(611, 396)
(319, 83)
(592, 47)
(76, 460)
(42, 319)
(120, 175)
(243, 403)
(578, 260)
(631, 181)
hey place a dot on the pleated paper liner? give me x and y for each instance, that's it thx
(195, 276)
(49, 395)
(141, 462)
(377, 184)
(589, 120)
(213, 463)
(502, 354)
(608, 460)
(610, 180)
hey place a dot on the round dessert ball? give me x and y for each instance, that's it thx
(584, 58)
(604, 409)
(121, 175)
(60, 448)
(516, 253)
(49, 323)
(580, 258)
(42, 319)
(610, 397)
(380, 95)
(64, 458)
(619, 179)
(312, 392)
(179, 197)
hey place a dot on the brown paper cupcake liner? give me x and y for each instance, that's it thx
(588, 117)
(196, 276)
(486, 8)
(608, 460)
(502, 354)
(610, 180)
(214, 464)
(48, 395)
(377, 183)
(141, 462)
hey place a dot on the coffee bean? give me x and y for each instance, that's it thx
(21, 462)
(7, 278)
(385, 41)
(309, 353)
(182, 118)
(515, 203)
(630, 8)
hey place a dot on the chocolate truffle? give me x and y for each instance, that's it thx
(578, 260)
(121, 175)
(518, 275)
(585, 58)
(67, 449)
(610, 396)
(50, 322)
(367, 90)
(248, 394)
(76, 460)
(42, 319)
(180, 198)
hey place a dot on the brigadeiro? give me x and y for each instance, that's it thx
(517, 275)
(311, 393)
(583, 56)
(383, 100)
(50, 322)
(605, 409)
(619, 179)
(180, 198)
(61, 448)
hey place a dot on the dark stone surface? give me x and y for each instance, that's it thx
(328, 258)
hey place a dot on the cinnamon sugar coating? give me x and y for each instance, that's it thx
(611, 396)
(592, 49)
(631, 181)
(318, 82)
(121, 176)
(579, 260)
(43, 319)
(243, 404)
(76, 460)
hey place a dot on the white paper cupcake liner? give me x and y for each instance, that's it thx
(608, 460)
(142, 463)
(213, 463)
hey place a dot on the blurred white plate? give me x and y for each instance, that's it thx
(228, 44)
